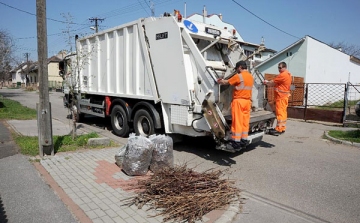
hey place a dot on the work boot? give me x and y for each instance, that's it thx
(232, 146)
(274, 132)
(244, 142)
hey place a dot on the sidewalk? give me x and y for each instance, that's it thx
(93, 187)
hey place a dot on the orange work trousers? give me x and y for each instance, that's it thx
(281, 105)
(240, 112)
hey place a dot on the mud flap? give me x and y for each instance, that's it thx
(213, 119)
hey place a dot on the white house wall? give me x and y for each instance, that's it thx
(325, 64)
(294, 57)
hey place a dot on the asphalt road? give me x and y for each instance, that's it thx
(298, 172)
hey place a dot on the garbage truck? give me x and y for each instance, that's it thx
(158, 75)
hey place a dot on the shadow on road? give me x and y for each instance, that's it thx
(94, 121)
(10, 95)
(3, 217)
(204, 147)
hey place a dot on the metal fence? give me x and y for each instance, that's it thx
(330, 102)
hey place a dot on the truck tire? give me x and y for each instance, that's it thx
(143, 123)
(119, 121)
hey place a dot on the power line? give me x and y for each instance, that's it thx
(143, 8)
(131, 9)
(55, 20)
(264, 20)
(54, 34)
(96, 19)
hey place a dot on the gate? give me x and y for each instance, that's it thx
(328, 102)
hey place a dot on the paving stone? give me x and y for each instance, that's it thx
(118, 219)
(98, 220)
(91, 214)
(111, 213)
(85, 207)
(107, 219)
(93, 206)
(99, 212)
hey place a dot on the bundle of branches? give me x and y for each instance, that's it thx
(183, 195)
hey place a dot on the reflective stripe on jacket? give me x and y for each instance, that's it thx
(243, 83)
(282, 84)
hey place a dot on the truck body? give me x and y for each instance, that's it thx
(159, 75)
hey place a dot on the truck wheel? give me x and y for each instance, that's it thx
(143, 123)
(119, 121)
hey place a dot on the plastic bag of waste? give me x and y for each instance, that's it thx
(119, 156)
(162, 155)
(137, 156)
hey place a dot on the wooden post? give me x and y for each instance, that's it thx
(43, 108)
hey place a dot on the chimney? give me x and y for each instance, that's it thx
(204, 14)
(220, 16)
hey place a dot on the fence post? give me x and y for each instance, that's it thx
(345, 102)
(306, 99)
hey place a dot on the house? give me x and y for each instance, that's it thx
(18, 75)
(314, 62)
(324, 69)
(249, 48)
(55, 81)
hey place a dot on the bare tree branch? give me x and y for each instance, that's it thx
(350, 49)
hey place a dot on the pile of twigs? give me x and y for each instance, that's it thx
(182, 195)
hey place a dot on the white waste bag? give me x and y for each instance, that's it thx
(119, 156)
(162, 155)
(137, 155)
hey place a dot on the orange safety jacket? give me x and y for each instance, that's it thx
(282, 94)
(243, 83)
(241, 105)
(282, 84)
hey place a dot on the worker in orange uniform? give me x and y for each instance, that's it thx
(240, 106)
(281, 85)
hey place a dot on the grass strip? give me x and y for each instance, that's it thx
(10, 109)
(351, 136)
(29, 145)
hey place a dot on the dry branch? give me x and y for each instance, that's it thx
(183, 195)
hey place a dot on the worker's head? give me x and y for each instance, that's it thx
(240, 65)
(282, 66)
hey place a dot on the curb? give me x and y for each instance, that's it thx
(341, 141)
(229, 215)
(13, 128)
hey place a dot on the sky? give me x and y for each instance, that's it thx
(279, 22)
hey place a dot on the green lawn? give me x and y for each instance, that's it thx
(29, 145)
(351, 136)
(10, 109)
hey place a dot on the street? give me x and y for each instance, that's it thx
(299, 172)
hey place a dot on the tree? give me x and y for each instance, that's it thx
(350, 49)
(70, 70)
(6, 52)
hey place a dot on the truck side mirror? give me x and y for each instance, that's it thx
(61, 69)
(61, 65)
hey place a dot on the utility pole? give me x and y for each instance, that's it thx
(27, 68)
(152, 7)
(43, 107)
(96, 19)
